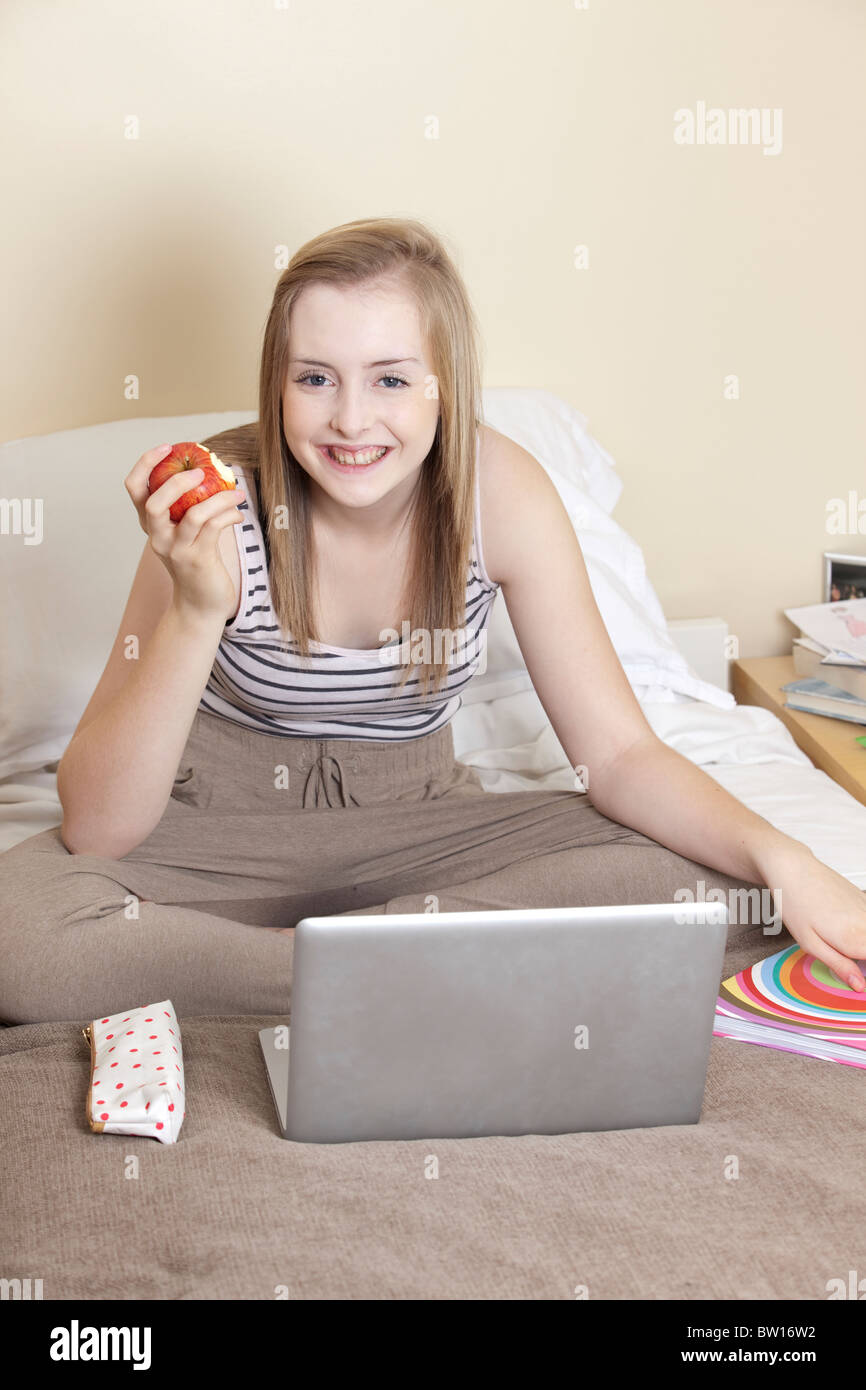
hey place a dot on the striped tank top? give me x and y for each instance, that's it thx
(258, 679)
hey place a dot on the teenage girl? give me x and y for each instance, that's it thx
(277, 748)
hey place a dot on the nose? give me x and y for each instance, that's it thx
(352, 414)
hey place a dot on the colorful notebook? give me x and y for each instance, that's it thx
(795, 1003)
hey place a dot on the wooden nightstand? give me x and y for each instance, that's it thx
(830, 743)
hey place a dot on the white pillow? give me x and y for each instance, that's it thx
(588, 487)
(556, 434)
(64, 597)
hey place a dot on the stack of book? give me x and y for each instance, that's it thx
(794, 1003)
(830, 657)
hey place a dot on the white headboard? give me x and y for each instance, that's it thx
(702, 642)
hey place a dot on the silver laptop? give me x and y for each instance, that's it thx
(531, 1021)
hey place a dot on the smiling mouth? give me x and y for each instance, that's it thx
(354, 458)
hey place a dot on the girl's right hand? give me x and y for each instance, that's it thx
(189, 549)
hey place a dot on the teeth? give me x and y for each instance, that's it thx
(363, 456)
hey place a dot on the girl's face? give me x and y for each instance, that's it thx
(359, 382)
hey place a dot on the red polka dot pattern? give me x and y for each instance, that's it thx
(138, 1105)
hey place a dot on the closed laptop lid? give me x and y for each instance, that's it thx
(539, 1021)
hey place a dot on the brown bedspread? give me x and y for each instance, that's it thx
(234, 1211)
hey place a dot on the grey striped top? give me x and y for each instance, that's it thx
(259, 680)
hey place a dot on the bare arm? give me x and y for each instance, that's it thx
(632, 776)
(115, 778)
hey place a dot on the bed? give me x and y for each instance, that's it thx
(232, 1211)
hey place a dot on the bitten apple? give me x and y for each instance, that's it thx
(218, 477)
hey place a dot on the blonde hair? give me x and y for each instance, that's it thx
(442, 517)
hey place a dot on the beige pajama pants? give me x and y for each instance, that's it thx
(262, 830)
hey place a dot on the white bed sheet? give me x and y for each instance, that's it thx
(748, 750)
(512, 745)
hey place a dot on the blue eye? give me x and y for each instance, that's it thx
(308, 376)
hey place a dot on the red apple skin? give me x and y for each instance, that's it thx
(185, 456)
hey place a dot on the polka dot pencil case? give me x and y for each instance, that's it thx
(136, 1073)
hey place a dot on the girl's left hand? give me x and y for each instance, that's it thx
(823, 911)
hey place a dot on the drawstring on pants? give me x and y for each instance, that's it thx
(317, 788)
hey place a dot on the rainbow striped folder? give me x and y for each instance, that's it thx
(795, 1003)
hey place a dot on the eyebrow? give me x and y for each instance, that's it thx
(386, 362)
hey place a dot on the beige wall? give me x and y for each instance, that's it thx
(262, 124)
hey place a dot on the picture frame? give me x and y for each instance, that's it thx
(844, 577)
